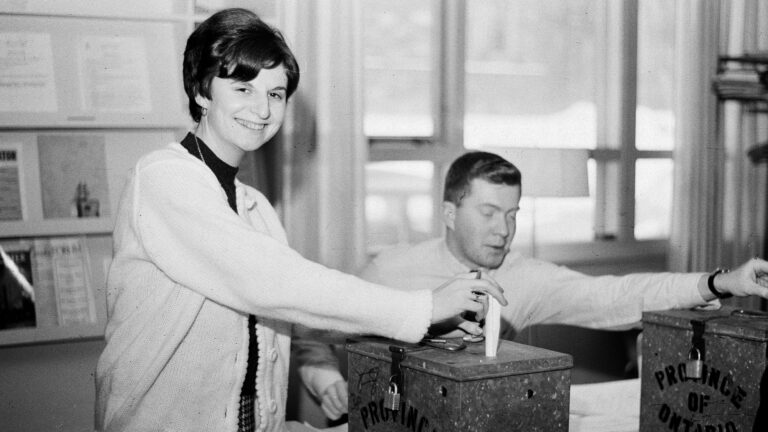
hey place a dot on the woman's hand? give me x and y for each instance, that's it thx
(464, 293)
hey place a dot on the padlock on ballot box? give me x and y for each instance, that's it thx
(523, 388)
(392, 398)
(695, 364)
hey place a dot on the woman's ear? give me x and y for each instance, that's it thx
(449, 214)
(202, 101)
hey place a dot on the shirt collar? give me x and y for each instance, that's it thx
(451, 262)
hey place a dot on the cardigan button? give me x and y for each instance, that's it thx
(273, 406)
(273, 354)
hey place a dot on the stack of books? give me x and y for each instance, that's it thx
(741, 84)
(748, 81)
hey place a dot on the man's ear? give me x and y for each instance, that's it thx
(449, 214)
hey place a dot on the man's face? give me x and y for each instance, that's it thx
(481, 227)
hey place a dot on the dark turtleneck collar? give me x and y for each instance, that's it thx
(224, 172)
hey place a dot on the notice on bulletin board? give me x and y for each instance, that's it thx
(114, 74)
(26, 73)
(73, 167)
(10, 182)
(74, 294)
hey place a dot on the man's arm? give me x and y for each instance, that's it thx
(544, 293)
(541, 292)
(751, 278)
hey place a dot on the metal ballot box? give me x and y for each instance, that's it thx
(704, 371)
(523, 388)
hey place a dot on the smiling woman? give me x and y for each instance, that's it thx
(203, 290)
(237, 91)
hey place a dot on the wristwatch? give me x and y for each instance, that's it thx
(711, 284)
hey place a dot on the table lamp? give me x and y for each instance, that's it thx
(548, 172)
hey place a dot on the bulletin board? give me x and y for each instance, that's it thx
(86, 72)
(54, 255)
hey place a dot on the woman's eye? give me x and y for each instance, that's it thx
(276, 95)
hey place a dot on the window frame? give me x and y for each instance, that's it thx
(615, 154)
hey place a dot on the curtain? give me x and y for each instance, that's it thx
(324, 148)
(720, 206)
(698, 168)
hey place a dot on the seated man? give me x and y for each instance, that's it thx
(480, 204)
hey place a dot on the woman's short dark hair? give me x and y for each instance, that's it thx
(236, 44)
(478, 164)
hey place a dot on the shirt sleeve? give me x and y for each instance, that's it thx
(193, 237)
(544, 293)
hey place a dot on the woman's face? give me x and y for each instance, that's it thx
(242, 116)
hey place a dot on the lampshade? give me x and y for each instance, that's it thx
(549, 172)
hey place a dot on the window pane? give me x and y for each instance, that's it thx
(655, 72)
(653, 198)
(531, 72)
(397, 51)
(398, 204)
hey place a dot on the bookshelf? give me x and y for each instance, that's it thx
(744, 80)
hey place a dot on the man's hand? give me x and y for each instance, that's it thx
(751, 278)
(460, 326)
(333, 401)
(464, 293)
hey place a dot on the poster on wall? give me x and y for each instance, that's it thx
(114, 75)
(11, 204)
(73, 177)
(27, 81)
(67, 261)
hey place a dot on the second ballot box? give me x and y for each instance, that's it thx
(704, 370)
(400, 387)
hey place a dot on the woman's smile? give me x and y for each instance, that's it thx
(251, 125)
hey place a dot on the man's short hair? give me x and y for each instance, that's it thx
(235, 44)
(478, 164)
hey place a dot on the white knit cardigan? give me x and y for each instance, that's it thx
(186, 273)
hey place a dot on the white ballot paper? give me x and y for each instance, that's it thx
(492, 327)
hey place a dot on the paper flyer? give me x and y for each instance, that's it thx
(11, 204)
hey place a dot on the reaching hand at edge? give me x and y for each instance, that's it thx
(751, 278)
